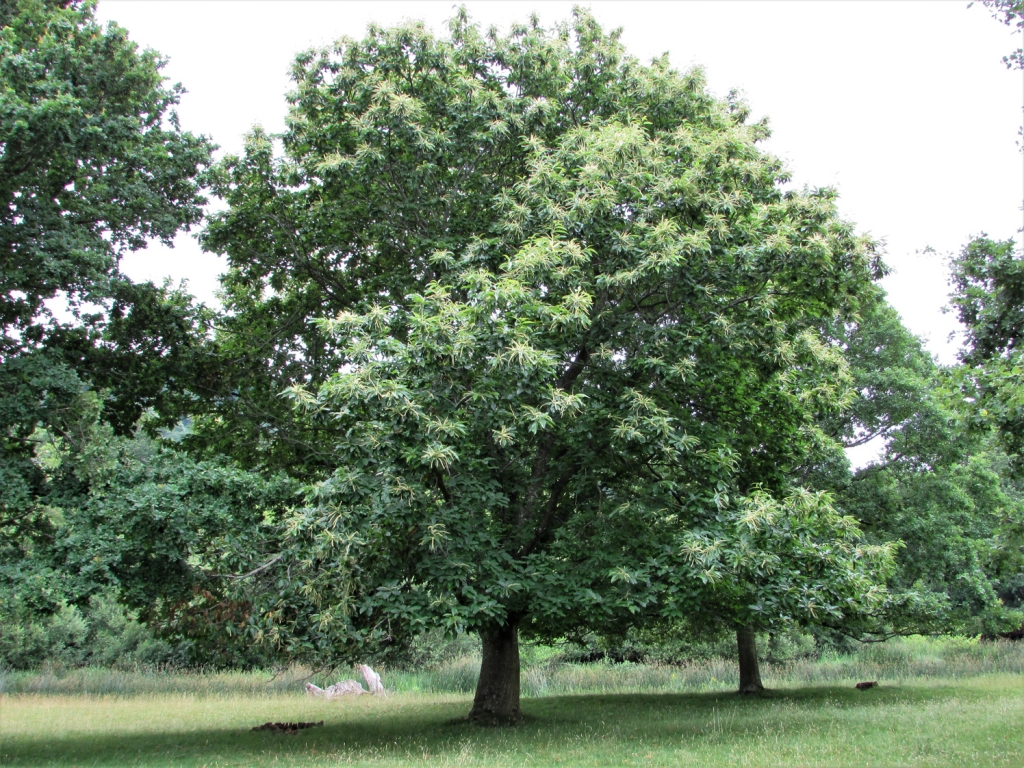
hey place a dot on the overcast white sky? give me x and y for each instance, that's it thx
(905, 107)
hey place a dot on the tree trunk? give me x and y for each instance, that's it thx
(750, 673)
(497, 693)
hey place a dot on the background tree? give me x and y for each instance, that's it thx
(180, 542)
(93, 164)
(898, 401)
(176, 542)
(938, 486)
(988, 297)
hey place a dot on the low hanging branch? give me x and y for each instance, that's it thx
(258, 569)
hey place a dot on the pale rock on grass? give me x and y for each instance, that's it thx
(350, 687)
(372, 681)
(344, 688)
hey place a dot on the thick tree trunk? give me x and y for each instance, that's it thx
(497, 693)
(750, 673)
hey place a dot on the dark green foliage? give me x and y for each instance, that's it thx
(939, 487)
(92, 165)
(165, 535)
(988, 296)
(172, 536)
(93, 162)
(656, 644)
(434, 649)
(898, 398)
(961, 535)
(159, 525)
(101, 633)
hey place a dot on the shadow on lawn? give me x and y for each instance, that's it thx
(429, 730)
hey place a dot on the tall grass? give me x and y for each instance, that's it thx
(102, 681)
(894, 661)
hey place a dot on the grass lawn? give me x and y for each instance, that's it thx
(975, 721)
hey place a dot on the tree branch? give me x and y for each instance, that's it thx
(256, 570)
(541, 534)
(541, 460)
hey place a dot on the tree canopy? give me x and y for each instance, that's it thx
(569, 356)
(93, 164)
(988, 297)
(937, 485)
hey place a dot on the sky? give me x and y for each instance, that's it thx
(905, 107)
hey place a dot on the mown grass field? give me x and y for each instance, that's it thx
(976, 721)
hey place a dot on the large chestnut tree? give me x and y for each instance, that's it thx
(548, 321)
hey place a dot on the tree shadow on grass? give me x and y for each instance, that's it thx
(429, 732)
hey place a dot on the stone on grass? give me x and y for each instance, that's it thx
(372, 681)
(350, 687)
(344, 688)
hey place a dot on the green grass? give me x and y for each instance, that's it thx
(942, 702)
(975, 721)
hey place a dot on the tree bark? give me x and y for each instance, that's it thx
(750, 673)
(497, 693)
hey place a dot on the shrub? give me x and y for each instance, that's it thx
(101, 633)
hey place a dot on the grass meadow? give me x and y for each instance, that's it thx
(938, 704)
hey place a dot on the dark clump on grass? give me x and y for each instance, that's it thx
(286, 728)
